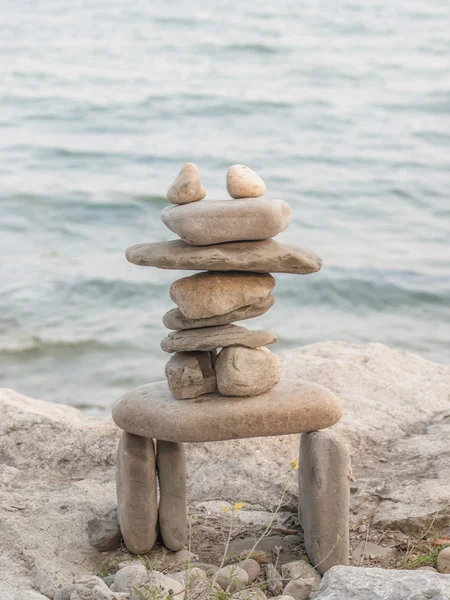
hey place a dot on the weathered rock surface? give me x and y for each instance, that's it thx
(324, 498)
(210, 338)
(104, 534)
(187, 187)
(246, 371)
(212, 294)
(57, 466)
(150, 410)
(191, 374)
(443, 561)
(358, 583)
(174, 319)
(243, 182)
(218, 221)
(56, 473)
(266, 256)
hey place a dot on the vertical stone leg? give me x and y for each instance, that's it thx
(171, 464)
(324, 498)
(136, 492)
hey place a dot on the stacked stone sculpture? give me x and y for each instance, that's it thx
(223, 382)
(239, 231)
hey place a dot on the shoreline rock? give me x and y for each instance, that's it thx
(57, 469)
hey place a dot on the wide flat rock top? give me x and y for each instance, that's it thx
(266, 256)
(292, 406)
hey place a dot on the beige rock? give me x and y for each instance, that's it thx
(266, 256)
(242, 182)
(290, 407)
(231, 577)
(94, 589)
(191, 374)
(219, 221)
(166, 588)
(186, 187)
(211, 294)
(324, 498)
(125, 577)
(171, 465)
(210, 338)
(302, 579)
(443, 561)
(252, 568)
(136, 492)
(249, 594)
(174, 319)
(246, 371)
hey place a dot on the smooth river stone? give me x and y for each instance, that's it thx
(191, 374)
(212, 294)
(246, 371)
(136, 492)
(266, 256)
(187, 187)
(218, 221)
(242, 182)
(174, 319)
(291, 406)
(209, 338)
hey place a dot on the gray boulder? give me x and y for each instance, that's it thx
(356, 583)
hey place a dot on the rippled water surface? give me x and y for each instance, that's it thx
(343, 109)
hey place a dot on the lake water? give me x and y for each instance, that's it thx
(343, 109)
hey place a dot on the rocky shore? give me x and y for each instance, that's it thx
(57, 473)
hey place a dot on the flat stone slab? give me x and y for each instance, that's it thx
(174, 319)
(218, 221)
(266, 256)
(290, 407)
(210, 338)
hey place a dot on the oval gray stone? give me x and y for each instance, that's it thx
(246, 371)
(210, 338)
(218, 221)
(290, 407)
(266, 256)
(211, 294)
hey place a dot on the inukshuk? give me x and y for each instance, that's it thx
(224, 382)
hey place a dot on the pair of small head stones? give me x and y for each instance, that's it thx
(241, 182)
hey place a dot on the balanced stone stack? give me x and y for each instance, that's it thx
(231, 241)
(223, 381)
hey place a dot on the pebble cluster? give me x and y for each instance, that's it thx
(210, 302)
(189, 580)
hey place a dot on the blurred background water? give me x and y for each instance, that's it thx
(343, 109)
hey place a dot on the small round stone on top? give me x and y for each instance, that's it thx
(242, 182)
(186, 187)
